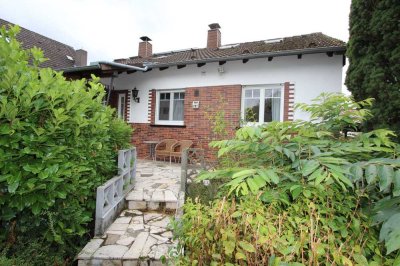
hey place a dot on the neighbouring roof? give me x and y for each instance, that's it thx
(59, 54)
(302, 44)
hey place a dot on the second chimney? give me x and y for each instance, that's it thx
(214, 36)
(80, 57)
(145, 47)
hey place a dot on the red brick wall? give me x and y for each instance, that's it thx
(145, 50)
(197, 127)
(214, 38)
(288, 102)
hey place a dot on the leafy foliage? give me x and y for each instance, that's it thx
(57, 144)
(320, 229)
(289, 163)
(337, 113)
(374, 55)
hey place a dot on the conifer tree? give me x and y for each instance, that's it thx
(374, 54)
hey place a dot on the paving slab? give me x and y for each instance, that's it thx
(137, 246)
(167, 234)
(125, 240)
(150, 216)
(137, 219)
(150, 242)
(135, 195)
(123, 220)
(170, 196)
(90, 248)
(161, 223)
(118, 227)
(112, 239)
(158, 196)
(110, 252)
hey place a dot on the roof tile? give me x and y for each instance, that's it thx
(307, 41)
(55, 51)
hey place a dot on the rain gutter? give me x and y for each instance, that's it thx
(96, 66)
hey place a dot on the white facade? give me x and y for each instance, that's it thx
(312, 75)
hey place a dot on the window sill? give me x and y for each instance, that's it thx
(163, 125)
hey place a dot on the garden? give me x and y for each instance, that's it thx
(300, 193)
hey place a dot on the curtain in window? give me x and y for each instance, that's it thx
(178, 110)
(276, 109)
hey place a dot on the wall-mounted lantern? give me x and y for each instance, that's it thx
(135, 97)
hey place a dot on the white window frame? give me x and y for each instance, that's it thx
(119, 109)
(171, 105)
(262, 102)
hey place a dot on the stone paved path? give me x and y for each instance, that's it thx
(157, 183)
(140, 235)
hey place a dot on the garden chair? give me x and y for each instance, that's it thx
(179, 147)
(164, 148)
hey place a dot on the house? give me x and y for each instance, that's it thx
(59, 54)
(175, 94)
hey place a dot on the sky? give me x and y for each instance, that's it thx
(110, 29)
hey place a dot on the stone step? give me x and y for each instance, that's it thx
(135, 238)
(152, 199)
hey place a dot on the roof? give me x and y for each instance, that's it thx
(55, 51)
(302, 44)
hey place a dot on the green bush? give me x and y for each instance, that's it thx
(58, 143)
(303, 171)
(321, 229)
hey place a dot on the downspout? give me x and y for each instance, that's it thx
(110, 88)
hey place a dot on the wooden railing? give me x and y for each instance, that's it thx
(110, 198)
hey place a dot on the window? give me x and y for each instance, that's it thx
(261, 104)
(170, 107)
(121, 105)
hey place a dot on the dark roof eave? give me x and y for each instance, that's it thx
(254, 56)
(79, 69)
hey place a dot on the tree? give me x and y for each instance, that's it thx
(374, 54)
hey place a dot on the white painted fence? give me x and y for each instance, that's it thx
(110, 198)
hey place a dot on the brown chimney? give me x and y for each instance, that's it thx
(214, 36)
(80, 57)
(145, 48)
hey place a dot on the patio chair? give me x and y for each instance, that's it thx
(164, 148)
(179, 147)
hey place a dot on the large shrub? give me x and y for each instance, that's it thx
(57, 144)
(374, 55)
(333, 196)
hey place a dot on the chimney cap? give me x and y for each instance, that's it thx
(145, 39)
(214, 26)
